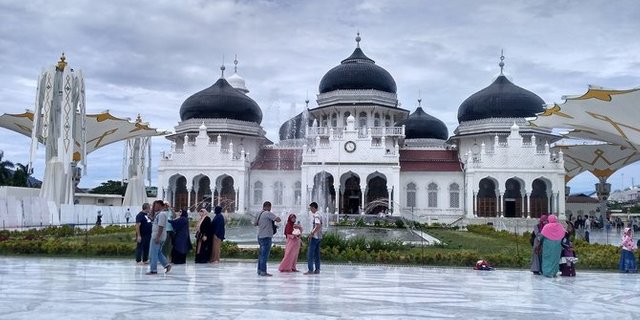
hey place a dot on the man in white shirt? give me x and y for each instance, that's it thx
(313, 252)
(266, 230)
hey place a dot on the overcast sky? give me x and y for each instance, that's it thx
(149, 56)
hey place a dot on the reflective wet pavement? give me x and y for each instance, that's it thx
(46, 288)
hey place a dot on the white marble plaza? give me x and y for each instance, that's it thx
(45, 288)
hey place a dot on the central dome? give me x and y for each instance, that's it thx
(221, 101)
(357, 72)
(420, 125)
(501, 99)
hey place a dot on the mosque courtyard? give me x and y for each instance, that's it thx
(46, 288)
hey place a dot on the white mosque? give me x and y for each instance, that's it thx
(358, 152)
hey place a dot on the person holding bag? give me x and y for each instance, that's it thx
(266, 229)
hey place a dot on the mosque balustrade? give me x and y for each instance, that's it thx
(362, 133)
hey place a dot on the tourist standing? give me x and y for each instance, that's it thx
(292, 232)
(551, 237)
(158, 237)
(313, 253)
(627, 257)
(218, 233)
(127, 215)
(536, 248)
(266, 229)
(182, 239)
(204, 237)
(168, 244)
(587, 223)
(143, 235)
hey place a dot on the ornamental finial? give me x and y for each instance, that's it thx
(501, 64)
(235, 64)
(222, 68)
(138, 118)
(358, 39)
(62, 63)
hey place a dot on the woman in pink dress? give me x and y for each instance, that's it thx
(292, 232)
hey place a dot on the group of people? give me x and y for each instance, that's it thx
(158, 226)
(266, 223)
(553, 251)
(209, 236)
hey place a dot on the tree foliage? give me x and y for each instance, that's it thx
(110, 187)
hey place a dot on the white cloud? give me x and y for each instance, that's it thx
(148, 56)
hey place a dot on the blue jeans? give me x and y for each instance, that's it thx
(313, 255)
(155, 255)
(263, 254)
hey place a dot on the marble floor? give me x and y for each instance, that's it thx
(46, 288)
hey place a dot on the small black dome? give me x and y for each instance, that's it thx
(357, 72)
(221, 101)
(420, 125)
(501, 99)
(293, 128)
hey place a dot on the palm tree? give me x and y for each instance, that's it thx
(5, 170)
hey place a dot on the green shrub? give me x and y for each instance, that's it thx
(399, 223)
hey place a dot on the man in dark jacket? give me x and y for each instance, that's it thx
(218, 234)
(143, 235)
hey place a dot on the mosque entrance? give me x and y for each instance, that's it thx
(486, 199)
(323, 193)
(181, 198)
(512, 199)
(539, 199)
(377, 195)
(352, 195)
(225, 194)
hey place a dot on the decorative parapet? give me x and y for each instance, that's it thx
(368, 96)
(363, 133)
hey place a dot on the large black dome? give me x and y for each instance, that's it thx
(293, 128)
(501, 99)
(420, 125)
(221, 101)
(357, 72)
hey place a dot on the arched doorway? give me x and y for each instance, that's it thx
(487, 198)
(225, 193)
(323, 192)
(201, 196)
(377, 199)
(351, 193)
(180, 194)
(513, 198)
(539, 199)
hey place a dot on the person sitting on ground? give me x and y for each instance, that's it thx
(483, 265)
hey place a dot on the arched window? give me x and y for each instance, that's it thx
(411, 195)
(362, 120)
(454, 195)
(278, 193)
(334, 120)
(257, 193)
(325, 121)
(344, 118)
(376, 120)
(297, 193)
(387, 121)
(432, 195)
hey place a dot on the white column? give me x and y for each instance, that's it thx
(501, 205)
(523, 207)
(392, 205)
(189, 188)
(529, 205)
(237, 200)
(363, 192)
(336, 187)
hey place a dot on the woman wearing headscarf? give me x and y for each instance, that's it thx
(217, 226)
(627, 258)
(568, 257)
(292, 232)
(551, 238)
(182, 239)
(204, 237)
(536, 252)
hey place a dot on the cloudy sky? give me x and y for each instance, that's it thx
(148, 56)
